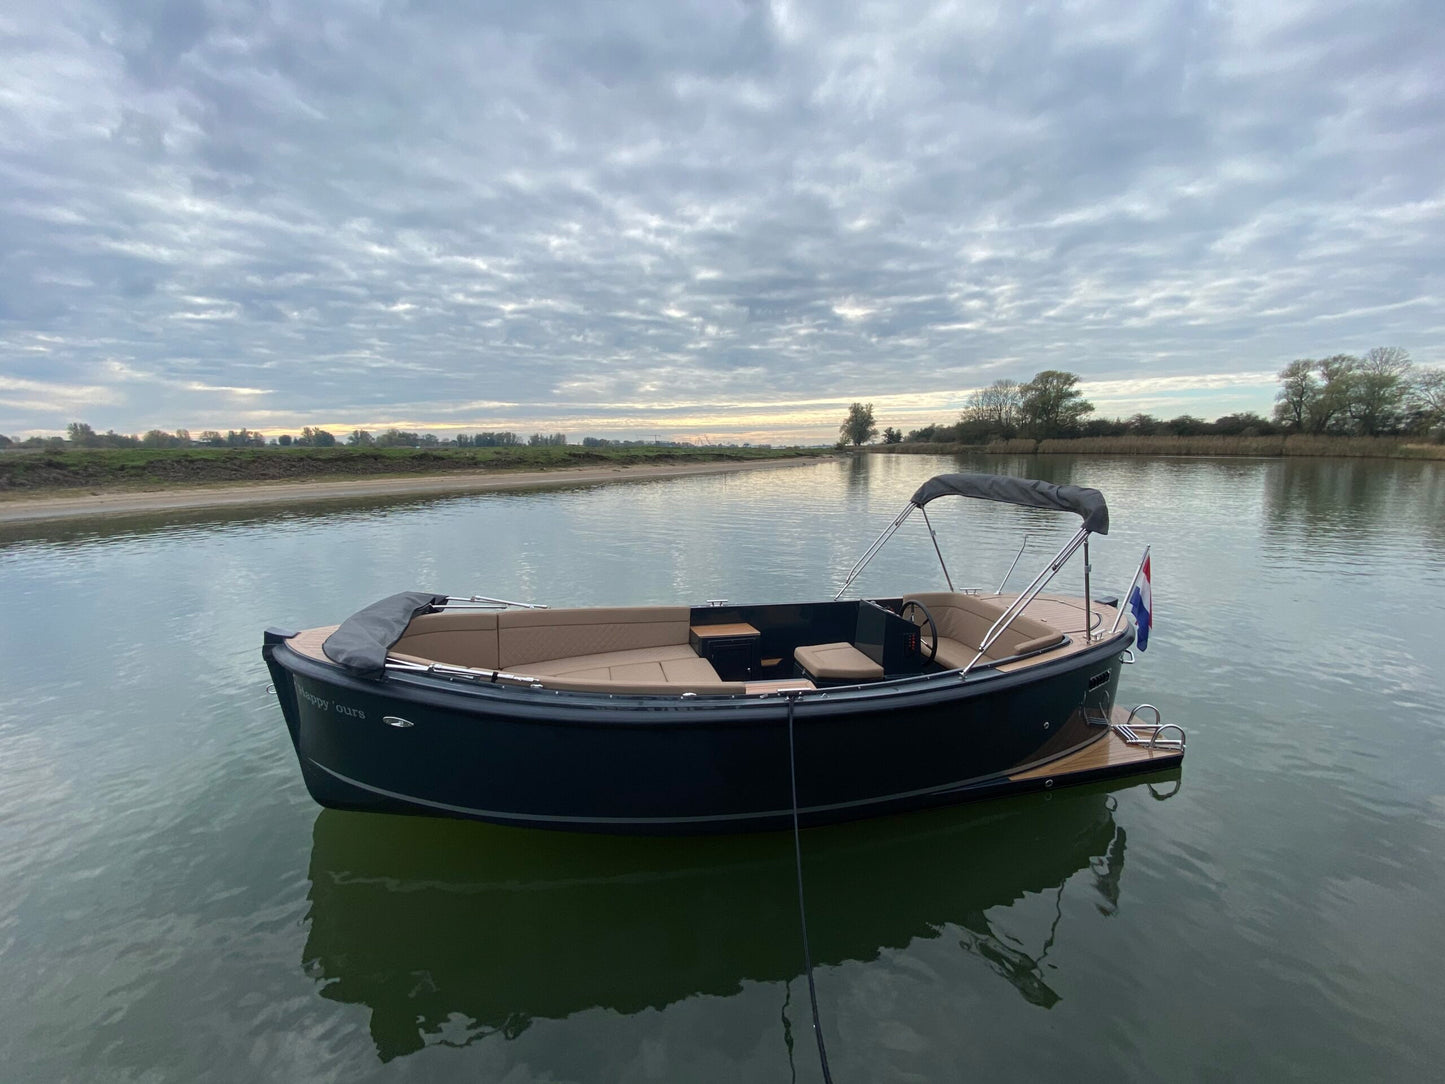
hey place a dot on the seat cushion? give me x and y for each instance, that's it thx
(952, 655)
(566, 665)
(837, 662)
(647, 665)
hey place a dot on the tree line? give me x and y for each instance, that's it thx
(1381, 393)
(81, 435)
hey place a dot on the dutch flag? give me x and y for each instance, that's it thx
(1141, 603)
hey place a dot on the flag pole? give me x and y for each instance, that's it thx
(1119, 617)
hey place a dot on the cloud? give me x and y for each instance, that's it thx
(573, 213)
(41, 396)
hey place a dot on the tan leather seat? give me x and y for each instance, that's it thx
(964, 620)
(531, 636)
(837, 662)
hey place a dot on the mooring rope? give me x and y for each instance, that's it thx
(802, 910)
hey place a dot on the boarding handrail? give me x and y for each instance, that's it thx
(1168, 743)
(1158, 715)
(1153, 740)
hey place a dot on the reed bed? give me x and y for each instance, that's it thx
(1015, 445)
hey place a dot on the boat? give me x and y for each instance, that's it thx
(723, 718)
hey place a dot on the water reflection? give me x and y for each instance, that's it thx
(462, 931)
(1315, 496)
(327, 511)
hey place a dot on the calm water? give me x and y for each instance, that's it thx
(174, 907)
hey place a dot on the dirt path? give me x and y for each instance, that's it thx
(126, 502)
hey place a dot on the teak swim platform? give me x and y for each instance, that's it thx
(676, 719)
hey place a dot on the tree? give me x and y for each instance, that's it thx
(858, 427)
(1144, 425)
(398, 438)
(1330, 405)
(315, 438)
(547, 440)
(1298, 390)
(1427, 400)
(996, 408)
(1243, 424)
(1186, 425)
(360, 438)
(81, 435)
(1052, 404)
(494, 440)
(892, 436)
(1378, 388)
(212, 438)
(1102, 427)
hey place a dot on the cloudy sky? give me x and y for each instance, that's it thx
(708, 220)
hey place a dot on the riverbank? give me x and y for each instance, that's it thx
(38, 470)
(1253, 447)
(59, 504)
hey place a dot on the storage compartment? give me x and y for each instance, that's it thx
(732, 649)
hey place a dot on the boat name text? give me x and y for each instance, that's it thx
(322, 704)
(315, 701)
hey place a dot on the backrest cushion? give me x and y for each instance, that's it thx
(967, 619)
(459, 637)
(536, 635)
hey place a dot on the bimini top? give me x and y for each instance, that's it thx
(1086, 503)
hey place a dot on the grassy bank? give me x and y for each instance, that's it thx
(1298, 445)
(28, 472)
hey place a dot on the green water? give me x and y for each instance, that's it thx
(174, 907)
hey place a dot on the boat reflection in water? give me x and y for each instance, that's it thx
(436, 925)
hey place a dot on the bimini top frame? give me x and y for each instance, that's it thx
(1086, 503)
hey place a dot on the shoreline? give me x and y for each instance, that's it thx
(1291, 446)
(58, 505)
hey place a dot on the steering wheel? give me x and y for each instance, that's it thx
(932, 642)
